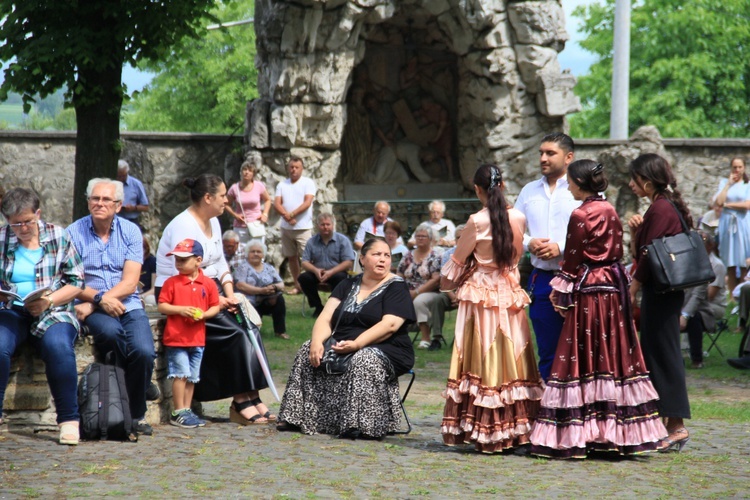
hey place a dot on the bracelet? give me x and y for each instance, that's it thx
(416, 291)
(49, 299)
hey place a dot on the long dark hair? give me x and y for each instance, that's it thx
(588, 175)
(490, 179)
(202, 185)
(655, 169)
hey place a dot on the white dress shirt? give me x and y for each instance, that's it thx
(547, 215)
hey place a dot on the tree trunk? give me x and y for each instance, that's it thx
(98, 138)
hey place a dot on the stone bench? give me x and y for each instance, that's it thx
(28, 402)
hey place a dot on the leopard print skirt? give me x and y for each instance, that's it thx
(365, 398)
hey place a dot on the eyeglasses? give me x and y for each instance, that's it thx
(19, 225)
(102, 200)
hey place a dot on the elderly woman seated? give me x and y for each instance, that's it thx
(262, 285)
(38, 262)
(368, 316)
(421, 270)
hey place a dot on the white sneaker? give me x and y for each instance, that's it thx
(424, 344)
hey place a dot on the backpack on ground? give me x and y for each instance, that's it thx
(104, 405)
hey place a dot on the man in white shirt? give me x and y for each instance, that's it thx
(373, 225)
(293, 201)
(547, 204)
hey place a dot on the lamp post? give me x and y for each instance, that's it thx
(618, 122)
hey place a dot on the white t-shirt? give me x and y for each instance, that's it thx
(182, 227)
(292, 196)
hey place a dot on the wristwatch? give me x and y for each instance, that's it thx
(98, 298)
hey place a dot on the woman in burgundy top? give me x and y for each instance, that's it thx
(652, 177)
(599, 396)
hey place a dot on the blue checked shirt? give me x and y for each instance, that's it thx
(328, 256)
(60, 265)
(103, 261)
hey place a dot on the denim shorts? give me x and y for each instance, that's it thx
(184, 362)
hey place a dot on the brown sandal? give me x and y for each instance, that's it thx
(235, 414)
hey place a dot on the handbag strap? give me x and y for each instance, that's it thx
(685, 227)
(343, 303)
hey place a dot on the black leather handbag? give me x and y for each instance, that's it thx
(678, 262)
(332, 362)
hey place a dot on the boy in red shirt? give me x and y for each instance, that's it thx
(188, 299)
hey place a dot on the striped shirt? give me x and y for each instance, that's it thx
(60, 265)
(103, 261)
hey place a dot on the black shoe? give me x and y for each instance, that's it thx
(435, 344)
(153, 393)
(317, 311)
(142, 427)
(742, 363)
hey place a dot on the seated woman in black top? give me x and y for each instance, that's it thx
(371, 314)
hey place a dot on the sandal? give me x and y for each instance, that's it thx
(235, 414)
(672, 443)
(268, 415)
(69, 433)
(284, 336)
(293, 291)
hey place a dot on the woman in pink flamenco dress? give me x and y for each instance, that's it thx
(494, 386)
(599, 396)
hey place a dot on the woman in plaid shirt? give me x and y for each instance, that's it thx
(37, 255)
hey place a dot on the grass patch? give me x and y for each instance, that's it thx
(735, 413)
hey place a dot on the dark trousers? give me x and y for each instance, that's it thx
(277, 312)
(545, 319)
(660, 343)
(695, 331)
(309, 283)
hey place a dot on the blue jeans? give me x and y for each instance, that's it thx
(184, 362)
(130, 338)
(56, 350)
(546, 321)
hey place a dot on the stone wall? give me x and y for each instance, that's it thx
(45, 162)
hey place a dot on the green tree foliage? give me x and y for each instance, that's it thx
(84, 45)
(203, 86)
(689, 68)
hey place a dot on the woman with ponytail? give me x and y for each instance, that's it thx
(652, 177)
(599, 396)
(494, 386)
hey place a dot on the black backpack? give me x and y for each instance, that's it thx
(104, 405)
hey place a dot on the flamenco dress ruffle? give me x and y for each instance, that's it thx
(599, 396)
(494, 387)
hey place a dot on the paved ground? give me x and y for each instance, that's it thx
(227, 460)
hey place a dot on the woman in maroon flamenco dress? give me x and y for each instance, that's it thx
(599, 396)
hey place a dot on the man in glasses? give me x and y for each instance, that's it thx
(112, 253)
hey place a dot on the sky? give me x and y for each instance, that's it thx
(573, 57)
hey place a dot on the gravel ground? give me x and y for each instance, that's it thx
(227, 460)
